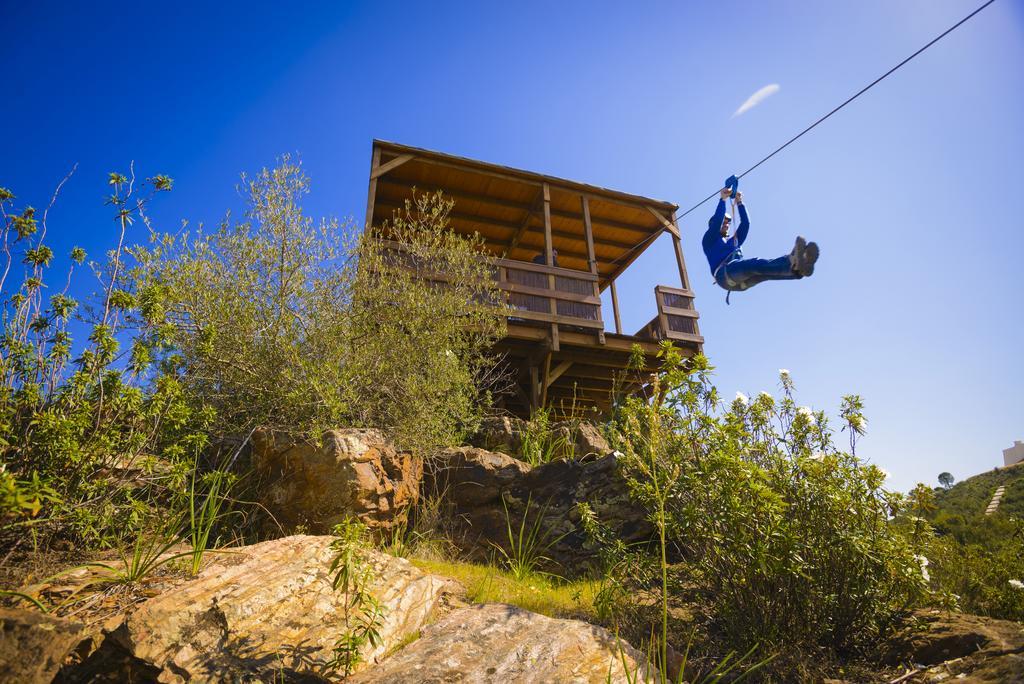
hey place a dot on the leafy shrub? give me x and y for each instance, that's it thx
(78, 423)
(300, 326)
(786, 540)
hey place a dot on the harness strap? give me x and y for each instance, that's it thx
(720, 266)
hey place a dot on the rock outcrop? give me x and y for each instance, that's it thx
(963, 648)
(487, 490)
(506, 434)
(33, 646)
(497, 643)
(352, 472)
(263, 611)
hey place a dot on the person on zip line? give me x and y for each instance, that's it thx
(728, 267)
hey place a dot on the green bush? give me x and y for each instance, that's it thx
(296, 325)
(786, 541)
(79, 423)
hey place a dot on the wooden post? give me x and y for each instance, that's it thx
(550, 260)
(372, 194)
(545, 382)
(677, 244)
(615, 308)
(684, 280)
(591, 257)
(534, 390)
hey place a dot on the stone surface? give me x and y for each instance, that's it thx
(500, 433)
(497, 643)
(505, 434)
(485, 490)
(266, 611)
(959, 647)
(33, 646)
(353, 472)
(588, 441)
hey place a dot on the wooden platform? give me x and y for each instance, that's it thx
(557, 351)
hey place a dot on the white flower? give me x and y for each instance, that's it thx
(818, 456)
(742, 398)
(1017, 584)
(763, 393)
(807, 413)
(924, 567)
(783, 371)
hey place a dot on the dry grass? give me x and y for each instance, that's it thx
(549, 596)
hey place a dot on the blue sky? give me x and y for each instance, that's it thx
(911, 191)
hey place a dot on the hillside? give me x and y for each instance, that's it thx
(961, 508)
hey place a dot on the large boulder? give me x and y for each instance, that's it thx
(506, 434)
(33, 646)
(352, 472)
(261, 612)
(496, 643)
(489, 492)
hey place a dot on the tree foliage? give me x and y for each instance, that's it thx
(297, 325)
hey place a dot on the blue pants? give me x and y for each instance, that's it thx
(742, 274)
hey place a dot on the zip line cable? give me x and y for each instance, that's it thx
(851, 99)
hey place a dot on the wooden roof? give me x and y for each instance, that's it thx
(505, 207)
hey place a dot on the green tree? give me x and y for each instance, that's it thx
(946, 480)
(300, 325)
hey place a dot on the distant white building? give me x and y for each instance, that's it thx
(1014, 454)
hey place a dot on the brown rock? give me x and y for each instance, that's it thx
(496, 643)
(959, 647)
(500, 433)
(353, 472)
(589, 442)
(486, 491)
(33, 646)
(264, 611)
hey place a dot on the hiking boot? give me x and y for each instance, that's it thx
(796, 256)
(808, 258)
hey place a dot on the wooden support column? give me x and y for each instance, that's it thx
(591, 258)
(684, 279)
(615, 309)
(677, 244)
(545, 381)
(534, 389)
(550, 260)
(372, 194)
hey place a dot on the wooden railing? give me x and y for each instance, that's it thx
(535, 292)
(676, 319)
(564, 298)
(549, 294)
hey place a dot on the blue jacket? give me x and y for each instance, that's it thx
(719, 249)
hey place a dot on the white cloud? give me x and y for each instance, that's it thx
(757, 98)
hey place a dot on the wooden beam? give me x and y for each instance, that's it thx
(557, 372)
(393, 164)
(534, 389)
(372, 193)
(545, 382)
(665, 222)
(615, 310)
(623, 262)
(588, 231)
